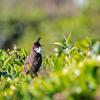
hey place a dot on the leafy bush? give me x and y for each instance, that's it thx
(71, 73)
(11, 62)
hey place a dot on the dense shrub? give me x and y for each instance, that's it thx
(71, 73)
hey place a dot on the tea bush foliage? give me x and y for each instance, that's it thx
(71, 73)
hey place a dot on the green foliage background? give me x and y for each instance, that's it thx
(31, 21)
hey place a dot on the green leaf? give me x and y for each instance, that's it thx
(68, 39)
(59, 44)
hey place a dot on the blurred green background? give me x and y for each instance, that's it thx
(22, 21)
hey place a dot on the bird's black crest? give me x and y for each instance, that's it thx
(37, 42)
(39, 39)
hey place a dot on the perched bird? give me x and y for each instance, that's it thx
(34, 60)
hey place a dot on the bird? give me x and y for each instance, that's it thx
(34, 60)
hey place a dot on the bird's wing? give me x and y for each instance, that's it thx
(33, 63)
(37, 63)
(27, 64)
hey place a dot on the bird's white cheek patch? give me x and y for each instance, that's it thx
(38, 50)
